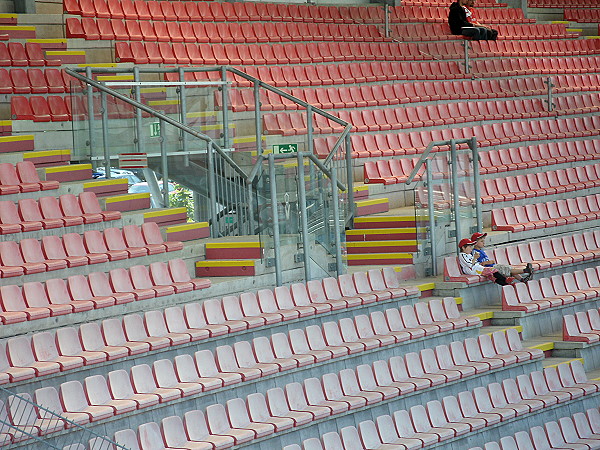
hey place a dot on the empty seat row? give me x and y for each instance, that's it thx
(53, 108)
(52, 212)
(551, 292)
(515, 48)
(258, 54)
(226, 32)
(439, 13)
(582, 430)
(57, 296)
(510, 67)
(392, 171)
(584, 326)
(582, 15)
(563, 4)
(543, 254)
(454, 416)
(217, 12)
(546, 215)
(34, 81)
(71, 249)
(414, 142)
(30, 54)
(243, 420)
(21, 178)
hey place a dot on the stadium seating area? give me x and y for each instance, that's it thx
(102, 322)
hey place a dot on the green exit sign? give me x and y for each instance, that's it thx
(285, 148)
(155, 129)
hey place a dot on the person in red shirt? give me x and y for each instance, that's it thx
(491, 34)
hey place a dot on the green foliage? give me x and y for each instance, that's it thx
(182, 197)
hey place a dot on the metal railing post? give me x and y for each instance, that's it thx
(90, 107)
(225, 102)
(431, 215)
(386, 10)
(183, 109)
(138, 112)
(350, 178)
(467, 61)
(257, 118)
(550, 95)
(303, 216)
(105, 147)
(339, 264)
(476, 185)
(455, 198)
(212, 190)
(164, 160)
(275, 218)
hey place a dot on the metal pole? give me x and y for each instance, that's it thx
(212, 190)
(476, 185)
(104, 106)
(431, 214)
(138, 112)
(386, 9)
(183, 110)
(350, 177)
(336, 224)
(275, 217)
(303, 215)
(251, 229)
(257, 118)
(467, 62)
(225, 102)
(550, 99)
(90, 107)
(455, 199)
(165, 164)
(196, 199)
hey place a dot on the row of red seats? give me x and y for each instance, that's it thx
(34, 81)
(514, 48)
(53, 108)
(45, 353)
(441, 31)
(454, 416)
(22, 177)
(563, 4)
(584, 326)
(406, 117)
(221, 32)
(582, 430)
(582, 15)
(96, 290)
(71, 250)
(15, 54)
(415, 142)
(542, 254)
(538, 184)
(557, 290)
(167, 381)
(546, 215)
(530, 66)
(52, 212)
(219, 11)
(300, 404)
(258, 54)
(439, 13)
(392, 171)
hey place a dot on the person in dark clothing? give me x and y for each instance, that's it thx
(457, 20)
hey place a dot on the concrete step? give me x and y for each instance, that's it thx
(67, 56)
(23, 143)
(187, 231)
(50, 44)
(18, 31)
(371, 206)
(383, 246)
(360, 259)
(8, 19)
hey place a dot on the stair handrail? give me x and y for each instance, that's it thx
(71, 426)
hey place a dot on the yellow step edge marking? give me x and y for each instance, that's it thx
(25, 137)
(65, 52)
(44, 153)
(68, 168)
(115, 77)
(361, 188)
(5, 123)
(202, 114)
(380, 256)
(163, 102)
(386, 231)
(112, 181)
(244, 139)
(127, 197)
(592, 37)
(567, 362)
(375, 201)
(484, 315)
(8, 16)
(17, 27)
(458, 300)
(384, 219)
(560, 21)
(152, 90)
(426, 287)
(47, 41)
(187, 226)
(97, 65)
(166, 212)
(233, 245)
(225, 263)
(545, 347)
(519, 328)
(574, 30)
(379, 243)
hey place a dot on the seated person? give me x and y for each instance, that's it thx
(457, 20)
(470, 266)
(508, 271)
(491, 33)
